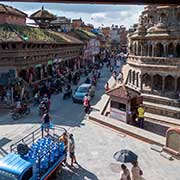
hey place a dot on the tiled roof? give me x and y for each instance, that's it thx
(9, 32)
(17, 33)
(79, 35)
(42, 14)
(68, 38)
(122, 92)
(6, 34)
(90, 34)
(11, 10)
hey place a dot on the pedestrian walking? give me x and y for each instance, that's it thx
(141, 116)
(136, 171)
(72, 149)
(46, 119)
(107, 86)
(64, 139)
(125, 174)
(70, 77)
(120, 78)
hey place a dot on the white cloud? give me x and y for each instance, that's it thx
(94, 14)
(99, 17)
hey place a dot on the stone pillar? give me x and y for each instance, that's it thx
(165, 50)
(153, 51)
(140, 78)
(163, 84)
(129, 78)
(148, 49)
(152, 84)
(175, 85)
(137, 80)
(174, 50)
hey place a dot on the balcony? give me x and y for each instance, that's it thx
(27, 57)
(157, 61)
(34, 52)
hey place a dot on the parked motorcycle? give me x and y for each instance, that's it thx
(19, 113)
(67, 93)
(75, 80)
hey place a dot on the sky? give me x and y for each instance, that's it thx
(98, 15)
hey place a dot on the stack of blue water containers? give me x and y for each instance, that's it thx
(45, 152)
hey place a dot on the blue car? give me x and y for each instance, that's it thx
(80, 92)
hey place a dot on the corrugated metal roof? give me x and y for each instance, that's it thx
(13, 163)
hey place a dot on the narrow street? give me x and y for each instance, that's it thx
(64, 113)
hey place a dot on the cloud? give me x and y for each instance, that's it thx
(90, 13)
(98, 17)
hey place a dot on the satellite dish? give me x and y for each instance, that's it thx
(22, 149)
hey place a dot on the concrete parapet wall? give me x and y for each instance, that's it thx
(127, 129)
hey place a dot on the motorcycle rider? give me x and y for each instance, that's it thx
(36, 98)
(88, 81)
(19, 106)
(86, 103)
(67, 91)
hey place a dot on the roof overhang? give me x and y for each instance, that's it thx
(103, 1)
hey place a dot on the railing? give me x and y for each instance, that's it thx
(154, 60)
(39, 52)
(22, 62)
(54, 132)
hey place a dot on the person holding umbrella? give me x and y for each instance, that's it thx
(125, 174)
(136, 171)
(125, 156)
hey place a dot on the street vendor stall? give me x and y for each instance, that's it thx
(124, 103)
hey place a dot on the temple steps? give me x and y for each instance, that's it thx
(163, 110)
(160, 100)
(162, 121)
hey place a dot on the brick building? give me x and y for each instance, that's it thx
(11, 15)
(77, 23)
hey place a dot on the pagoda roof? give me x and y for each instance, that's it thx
(43, 14)
(122, 92)
(10, 10)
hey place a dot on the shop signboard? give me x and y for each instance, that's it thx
(38, 65)
(50, 62)
(118, 114)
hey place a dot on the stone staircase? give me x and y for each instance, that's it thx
(161, 111)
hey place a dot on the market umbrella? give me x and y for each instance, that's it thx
(125, 156)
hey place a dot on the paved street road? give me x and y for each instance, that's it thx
(64, 113)
(95, 145)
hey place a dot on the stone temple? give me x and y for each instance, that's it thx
(154, 60)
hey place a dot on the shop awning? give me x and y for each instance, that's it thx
(38, 65)
(123, 92)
